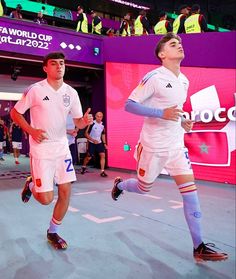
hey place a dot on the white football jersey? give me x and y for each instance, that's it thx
(161, 89)
(48, 111)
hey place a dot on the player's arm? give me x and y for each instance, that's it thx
(103, 136)
(186, 124)
(87, 135)
(84, 121)
(37, 134)
(171, 113)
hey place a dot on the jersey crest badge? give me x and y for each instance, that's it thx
(141, 172)
(66, 100)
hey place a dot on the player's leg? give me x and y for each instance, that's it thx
(90, 153)
(180, 169)
(64, 175)
(14, 147)
(40, 184)
(149, 166)
(18, 150)
(1, 151)
(101, 151)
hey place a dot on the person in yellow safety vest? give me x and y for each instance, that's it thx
(3, 8)
(82, 25)
(178, 24)
(163, 26)
(196, 23)
(96, 23)
(141, 24)
(125, 26)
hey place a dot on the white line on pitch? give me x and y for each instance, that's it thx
(152, 197)
(73, 209)
(158, 210)
(178, 204)
(102, 220)
(84, 193)
(135, 214)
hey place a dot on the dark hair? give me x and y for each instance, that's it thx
(19, 6)
(53, 55)
(184, 6)
(162, 13)
(164, 40)
(195, 8)
(142, 13)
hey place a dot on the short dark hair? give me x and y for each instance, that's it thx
(162, 13)
(143, 13)
(184, 6)
(195, 8)
(164, 40)
(53, 55)
(19, 6)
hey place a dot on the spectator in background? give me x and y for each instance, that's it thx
(17, 13)
(2, 138)
(3, 8)
(82, 25)
(141, 24)
(40, 19)
(163, 26)
(95, 134)
(71, 132)
(178, 24)
(96, 23)
(110, 32)
(196, 23)
(6, 143)
(16, 138)
(125, 26)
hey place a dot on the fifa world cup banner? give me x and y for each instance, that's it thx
(29, 38)
(210, 104)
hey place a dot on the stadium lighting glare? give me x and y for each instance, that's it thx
(131, 4)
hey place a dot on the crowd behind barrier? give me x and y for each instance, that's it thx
(92, 22)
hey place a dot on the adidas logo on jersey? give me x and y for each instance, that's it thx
(168, 85)
(46, 98)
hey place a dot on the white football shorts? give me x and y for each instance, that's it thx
(46, 173)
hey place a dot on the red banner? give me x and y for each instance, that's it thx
(208, 147)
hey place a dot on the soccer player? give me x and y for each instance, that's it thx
(161, 141)
(50, 101)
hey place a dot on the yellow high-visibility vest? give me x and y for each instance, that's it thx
(1, 9)
(160, 27)
(192, 25)
(126, 32)
(138, 27)
(97, 28)
(176, 24)
(83, 24)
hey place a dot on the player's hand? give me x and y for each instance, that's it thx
(88, 117)
(38, 135)
(172, 113)
(187, 125)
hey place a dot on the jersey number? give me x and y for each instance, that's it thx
(69, 165)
